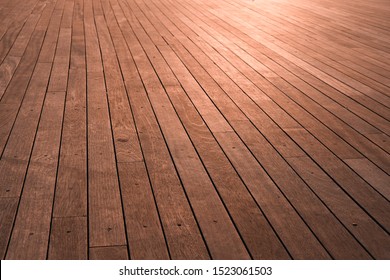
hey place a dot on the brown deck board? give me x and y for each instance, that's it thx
(194, 129)
(106, 223)
(200, 191)
(183, 241)
(140, 211)
(109, 253)
(30, 234)
(215, 162)
(68, 239)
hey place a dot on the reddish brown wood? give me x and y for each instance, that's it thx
(194, 129)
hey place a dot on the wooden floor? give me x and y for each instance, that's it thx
(194, 129)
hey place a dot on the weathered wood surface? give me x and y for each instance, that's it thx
(195, 129)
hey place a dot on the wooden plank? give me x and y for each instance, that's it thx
(17, 88)
(363, 254)
(377, 157)
(250, 172)
(77, 59)
(303, 199)
(187, 63)
(10, 63)
(7, 70)
(223, 239)
(30, 236)
(50, 44)
(7, 117)
(361, 225)
(348, 77)
(109, 253)
(8, 207)
(8, 38)
(381, 139)
(68, 239)
(144, 230)
(285, 122)
(71, 190)
(363, 193)
(12, 25)
(146, 239)
(23, 38)
(289, 26)
(126, 141)
(59, 75)
(221, 172)
(298, 238)
(238, 201)
(318, 34)
(349, 36)
(106, 222)
(184, 241)
(33, 103)
(373, 175)
(180, 228)
(16, 154)
(105, 209)
(196, 129)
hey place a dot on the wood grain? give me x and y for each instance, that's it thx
(194, 129)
